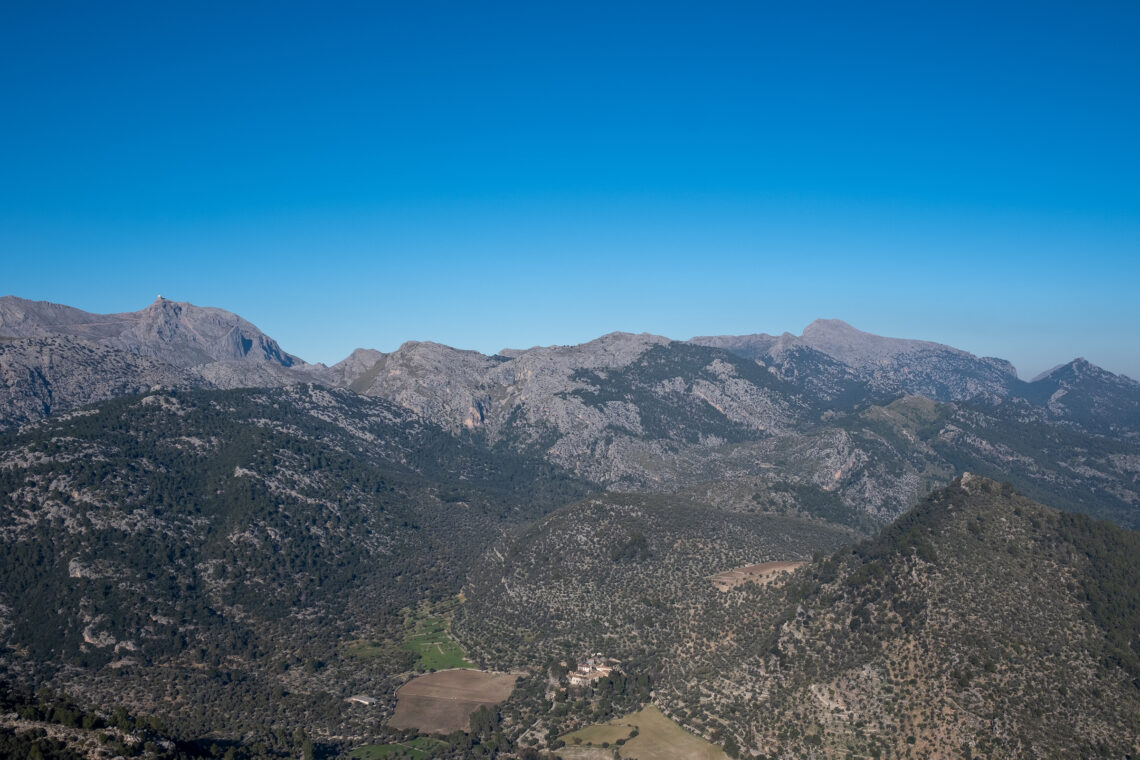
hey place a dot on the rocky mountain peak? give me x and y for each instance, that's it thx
(887, 365)
(619, 348)
(353, 366)
(615, 349)
(831, 328)
(1081, 369)
(1080, 390)
(857, 348)
(1076, 368)
(186, 335)
(626, 344)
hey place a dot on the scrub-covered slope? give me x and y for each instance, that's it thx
(980, 624)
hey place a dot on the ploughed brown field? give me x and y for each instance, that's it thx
(761, 574)
(442, 702)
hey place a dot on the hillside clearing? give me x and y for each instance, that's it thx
(658, 738)
(428, 635)
(762, 574)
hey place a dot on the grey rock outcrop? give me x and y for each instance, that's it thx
(604, 409)
(44, 375)
(345, 372)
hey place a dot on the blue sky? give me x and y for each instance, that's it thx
(511, 174)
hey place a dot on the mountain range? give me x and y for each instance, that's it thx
(237, 537)
(876, 421)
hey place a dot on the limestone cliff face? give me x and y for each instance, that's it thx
(437, 382)
(44, 375)
(469, 390)
(619, 410)
(641, 412)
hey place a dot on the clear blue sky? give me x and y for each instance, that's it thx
(508, 174)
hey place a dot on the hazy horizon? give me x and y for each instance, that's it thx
(510, 175)
(388, 348)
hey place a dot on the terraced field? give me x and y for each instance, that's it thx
(429, 637)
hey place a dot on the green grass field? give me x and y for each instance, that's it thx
(416, 749)
(428, 636)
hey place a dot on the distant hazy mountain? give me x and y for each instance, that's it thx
(624, 410)
(915, 367)
(1084, 393)
(345, 372)
(636, 412)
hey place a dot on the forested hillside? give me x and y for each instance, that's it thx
(232, 543)
(616, 574)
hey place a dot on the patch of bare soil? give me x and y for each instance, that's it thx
(442, 702)
(762, 574)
